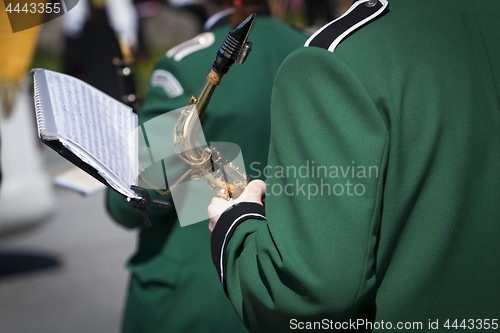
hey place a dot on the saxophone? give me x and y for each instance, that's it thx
(220, 174)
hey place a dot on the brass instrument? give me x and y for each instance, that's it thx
(220, 174)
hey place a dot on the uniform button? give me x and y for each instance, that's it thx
(371, 3)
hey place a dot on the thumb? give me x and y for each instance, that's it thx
(254, 192)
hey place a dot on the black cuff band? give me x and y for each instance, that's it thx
(224, 229)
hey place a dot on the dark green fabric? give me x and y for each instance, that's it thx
(414, 95)
(174, 287)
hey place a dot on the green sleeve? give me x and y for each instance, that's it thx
(313, 258)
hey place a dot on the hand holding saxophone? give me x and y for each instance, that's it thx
(254, 192)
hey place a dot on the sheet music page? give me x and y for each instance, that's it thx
(96, 123)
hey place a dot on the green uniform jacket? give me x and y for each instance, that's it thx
(383, 184)
(173, 286)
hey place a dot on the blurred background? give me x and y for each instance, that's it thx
(61, 256)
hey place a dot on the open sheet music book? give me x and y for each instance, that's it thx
(89, 128)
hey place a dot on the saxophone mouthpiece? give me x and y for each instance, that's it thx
(234, 48)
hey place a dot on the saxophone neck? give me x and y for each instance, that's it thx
(234, 48)
(204, 98)
(186, 141)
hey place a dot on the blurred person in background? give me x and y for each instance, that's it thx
(320, 12)
(26, 196)
(195, 7)
(93, 29)
(172, 286)
(145, 9)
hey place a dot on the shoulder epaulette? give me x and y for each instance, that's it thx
(360, 13)
(200, 42)
(168, 82)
